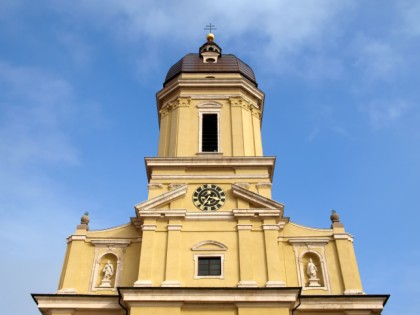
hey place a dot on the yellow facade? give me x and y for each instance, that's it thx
(161, 261)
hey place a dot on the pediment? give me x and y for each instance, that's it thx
(163, 199)
(209, 246)
(257, 200)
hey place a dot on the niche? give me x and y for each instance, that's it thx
(312, 270)
(106, 271)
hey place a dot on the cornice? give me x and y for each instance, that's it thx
(211, 161)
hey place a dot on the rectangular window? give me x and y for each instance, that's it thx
(209, 133)
(209, 266)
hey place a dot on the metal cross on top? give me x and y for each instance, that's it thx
(210, 27)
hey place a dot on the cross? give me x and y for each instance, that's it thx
(210, 27)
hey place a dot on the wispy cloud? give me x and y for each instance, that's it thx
(376, 59)
(410, 12)
(285, 28)
(78, 49)
(35, 109)
(383, 113)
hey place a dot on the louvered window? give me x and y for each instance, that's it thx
(209, 133)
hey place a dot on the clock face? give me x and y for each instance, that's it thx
(209, 197)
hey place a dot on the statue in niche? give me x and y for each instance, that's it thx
(108, 272)
(311, 271)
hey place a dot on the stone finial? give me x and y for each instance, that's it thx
(335, 219)
(334, 216)
(84, 221)
(85, 218)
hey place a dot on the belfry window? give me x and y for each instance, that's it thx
(209, 133)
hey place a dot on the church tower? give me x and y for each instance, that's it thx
(210, 239)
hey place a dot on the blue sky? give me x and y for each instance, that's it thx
(77, 115)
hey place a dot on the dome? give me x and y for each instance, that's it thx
(225, 63)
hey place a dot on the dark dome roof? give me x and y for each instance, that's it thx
(193, 63)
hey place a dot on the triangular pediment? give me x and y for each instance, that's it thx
(255, 199)
(163, 199)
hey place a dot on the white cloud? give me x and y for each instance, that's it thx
(410, 13)
(35, 108)
(377, 59)
(78, 49)
(384, 113)
(284, 27)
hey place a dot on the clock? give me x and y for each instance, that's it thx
(209, 197)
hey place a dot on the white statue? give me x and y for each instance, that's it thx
(311, 270)
(108, 272)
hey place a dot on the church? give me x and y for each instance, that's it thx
(210, 239)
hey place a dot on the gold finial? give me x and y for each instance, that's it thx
(210, 36)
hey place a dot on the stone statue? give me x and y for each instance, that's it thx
(311, 271)
(108, 272)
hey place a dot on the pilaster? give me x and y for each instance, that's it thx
(172, 254)
(246, 272)
(146, 255)
(347, 259)
(275, 265)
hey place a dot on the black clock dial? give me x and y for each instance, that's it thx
(209, 197)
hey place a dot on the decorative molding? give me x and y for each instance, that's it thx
(264, 185)
(286, 297)
(149, 227)
(343, 236)
(174, 227)
(111, 242)
(265, 164)
(162, 199)
(220, 84)
(212, 176)
(275, 227)
(143, 283)
(355, 304)
(257, 199)
(69, 303)
(275, 284)
(252, 213)
(247, 284)
(354, 292)
(309, 241)
(210, 216)
(159, 213)
(209, 105)
(67, 291)
(170, 284)
(243, 185)
(175, 185)
(200, 246)
(73, 237)
(155, 186)
(242, 227)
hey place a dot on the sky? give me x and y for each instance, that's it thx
(78, 115)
